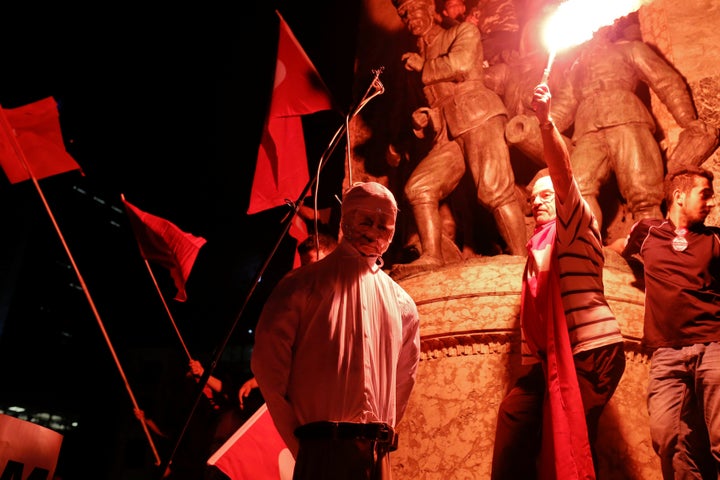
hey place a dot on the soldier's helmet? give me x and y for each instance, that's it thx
(404, 4)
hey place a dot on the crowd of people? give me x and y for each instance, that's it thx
(337, 345)
(344, 324)
(571, 338)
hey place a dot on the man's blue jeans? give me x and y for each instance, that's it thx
(684, 408)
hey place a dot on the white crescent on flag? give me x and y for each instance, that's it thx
(255, 451)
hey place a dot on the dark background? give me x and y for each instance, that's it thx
(167, 107)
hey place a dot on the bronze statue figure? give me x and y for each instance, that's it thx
(467, 121)
(613, 131)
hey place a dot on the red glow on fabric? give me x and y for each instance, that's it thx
(163, 242)
(281, 172)
(299, 231)
(34, 145)
(255, 451)
(565, 450)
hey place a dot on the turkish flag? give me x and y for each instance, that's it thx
(31, 142)
(255, 451)
(281, 172)
(163, 242)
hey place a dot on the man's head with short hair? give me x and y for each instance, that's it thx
(542, 197)
(689, 195)
(683, 179)
(315, 247)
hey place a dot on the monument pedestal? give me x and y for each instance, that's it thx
(469, 314)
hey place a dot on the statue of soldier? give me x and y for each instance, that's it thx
(613, 130)
(467, 121)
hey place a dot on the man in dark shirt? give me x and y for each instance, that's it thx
(681, 261)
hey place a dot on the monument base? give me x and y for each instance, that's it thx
(469, 315)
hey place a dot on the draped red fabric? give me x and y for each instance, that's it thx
(31, 142)
(162, 242)
(281, 172)
(565, 451)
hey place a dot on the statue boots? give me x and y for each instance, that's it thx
(510, 222)
(429, 226)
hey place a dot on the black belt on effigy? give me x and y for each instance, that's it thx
(376, 432)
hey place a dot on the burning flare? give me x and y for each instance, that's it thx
(575, 22)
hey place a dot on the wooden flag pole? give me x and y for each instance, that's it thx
(167, 309)
(4, 124)
(162, 298)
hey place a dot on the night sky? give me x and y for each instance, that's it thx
(166, 107)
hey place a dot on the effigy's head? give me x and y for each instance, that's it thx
(369, 211)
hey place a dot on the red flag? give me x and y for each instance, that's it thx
(31, 137)
(255, 451)
(162, 242)
(298, 230)
(282, 171)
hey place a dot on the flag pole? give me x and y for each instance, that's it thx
(5, 124)
(162, 298)
(167, 309)
(376, 88)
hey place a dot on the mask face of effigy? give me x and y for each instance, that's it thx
(368, 218)
(370, 231)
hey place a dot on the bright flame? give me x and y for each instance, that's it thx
(575, 22)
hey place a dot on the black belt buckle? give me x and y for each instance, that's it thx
(384, 434)
(387, 436)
